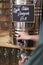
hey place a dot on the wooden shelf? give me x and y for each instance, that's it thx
(15, 46)
(30, 48)
(9, 45)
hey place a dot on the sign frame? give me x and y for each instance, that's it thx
(25, 21)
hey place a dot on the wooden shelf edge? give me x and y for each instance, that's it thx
(7, 45)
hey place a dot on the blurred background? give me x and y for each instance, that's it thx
(9, 28)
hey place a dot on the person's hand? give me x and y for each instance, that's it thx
(26, 36)
(22, 61)
(22, 36)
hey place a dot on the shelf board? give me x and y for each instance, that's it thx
(7, 45)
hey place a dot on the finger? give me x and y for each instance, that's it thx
(19, 38)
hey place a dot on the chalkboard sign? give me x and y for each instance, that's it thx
(23, 13)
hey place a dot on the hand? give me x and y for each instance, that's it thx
(26, 36)
(22, 36)
(22, 61)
